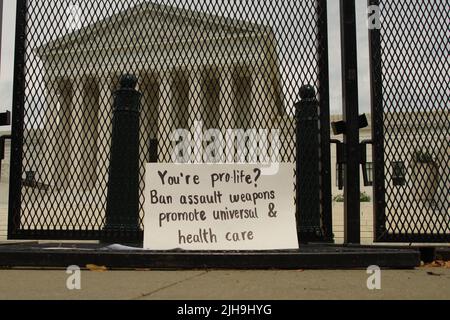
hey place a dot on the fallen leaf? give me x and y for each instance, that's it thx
(95, 268)
(435, 264)
(433, 274)
(440, 263)
(447, 264)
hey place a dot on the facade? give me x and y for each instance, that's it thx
(225, 80)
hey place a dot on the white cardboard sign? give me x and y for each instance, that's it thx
(219, 207)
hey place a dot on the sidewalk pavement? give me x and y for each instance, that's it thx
(422, 283)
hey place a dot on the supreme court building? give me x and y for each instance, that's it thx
(191, 67)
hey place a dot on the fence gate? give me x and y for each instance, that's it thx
(229, 64)
(411, 120)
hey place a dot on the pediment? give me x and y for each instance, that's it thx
(150, 25)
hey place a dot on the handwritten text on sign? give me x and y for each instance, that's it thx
(219, 207)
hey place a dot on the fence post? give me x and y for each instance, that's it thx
(352, 206)
(122, 212)
(308, 166)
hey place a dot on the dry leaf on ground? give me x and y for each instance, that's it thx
(438, 264)
(93, 267)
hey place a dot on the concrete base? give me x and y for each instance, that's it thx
(308, 257)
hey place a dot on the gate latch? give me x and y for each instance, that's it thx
(340, 128)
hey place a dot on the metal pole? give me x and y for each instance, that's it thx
(308, 166)
(377, 130)
(122, 212)
(324, 110)
(351, 118)
(17, 125)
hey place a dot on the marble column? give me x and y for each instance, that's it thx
(149, 87)
(76, 159)
(90, 123)
(263, 99)
(63, 134)
(227, 108)
(195, 113)
(211, 98)
(227, 112)
(164, 118)
(104, 129)
(51, 123)
(242, 85)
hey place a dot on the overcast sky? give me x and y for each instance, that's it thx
(334, 49)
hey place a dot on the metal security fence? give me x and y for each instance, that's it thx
(200, 65)
(410, 73)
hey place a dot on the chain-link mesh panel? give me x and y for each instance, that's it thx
(200, 65)
(412, 121)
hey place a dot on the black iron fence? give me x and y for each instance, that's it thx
(224, 65)
(411, 121)
(229, 65)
